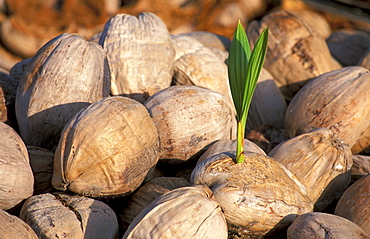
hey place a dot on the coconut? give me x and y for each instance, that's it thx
(187, 212)
(355, 202)
(59, 215)
(337, 100)
(107, 149)
(55, 87)
(322, 225)
(140, 55)
(321, 161)
(188, 119)
(360, 167)
(258, 196)
(16, 178)
(14, 227)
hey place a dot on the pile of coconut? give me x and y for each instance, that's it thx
(131, 134)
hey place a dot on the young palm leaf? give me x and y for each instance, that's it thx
(244, 67)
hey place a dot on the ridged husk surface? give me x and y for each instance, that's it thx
(190, 67)
(324, 226)
(321, 161)
(106, 149)
(66, 75)
(41, 161)
(360, 167)
(146, 194)
(338, 100)
(140, 55)
(183, 213)
(14, 227)
(61, 215)
(355, 203)
(295, 54)
(16, 178)
(188, 119)
(257, 196)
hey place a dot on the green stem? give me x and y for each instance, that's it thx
(240, 143)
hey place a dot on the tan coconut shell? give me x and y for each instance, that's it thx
(61, 215)
(107, 149)
(14, 227)
(7, 59)
(41, 161)
(315, 20)
(338, 100)
(16, 178)
(8, 89)
(183, 213)
(146, 194)
(18, 69)
(188, 119)
(140, 55)
(321, 161)
(362, 145)
(257, 196)
(295, 53)
(225, 145)
(66, 75)
(365, 59)
(317, 225)
(347, 46)
(360, 167)
(190, 67)
(355, 203)
(211, 40)
(268, 104)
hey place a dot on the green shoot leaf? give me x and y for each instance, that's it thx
(244, 68)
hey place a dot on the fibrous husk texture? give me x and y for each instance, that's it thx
(41, 161)
(295, 53)
(8, 89)
(61, 215)
(66, 75)
(147, 193)
(338, 100)
(322, 163)
(256, 196)
(355, 203)
(183, 213)
(190, 67)
(188, 119)
(360, 167)
(324, 226)
(106, 149)
(16, 178)
(14, 227)
(140, 55)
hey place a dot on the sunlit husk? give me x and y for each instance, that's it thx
(183, 213)
(322, 225)
(295, 54)
(146, 194)
(188, 119)
(106, 149)
(140, 55)
(14, 227)
(355, 202)
(338, 100)
(66, 75)
(321, 161)
(16, 178)
(59, 214)
(257, 196)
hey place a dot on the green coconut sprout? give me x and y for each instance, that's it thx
(244, 68)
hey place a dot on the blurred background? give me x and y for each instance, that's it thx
(28, 24)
